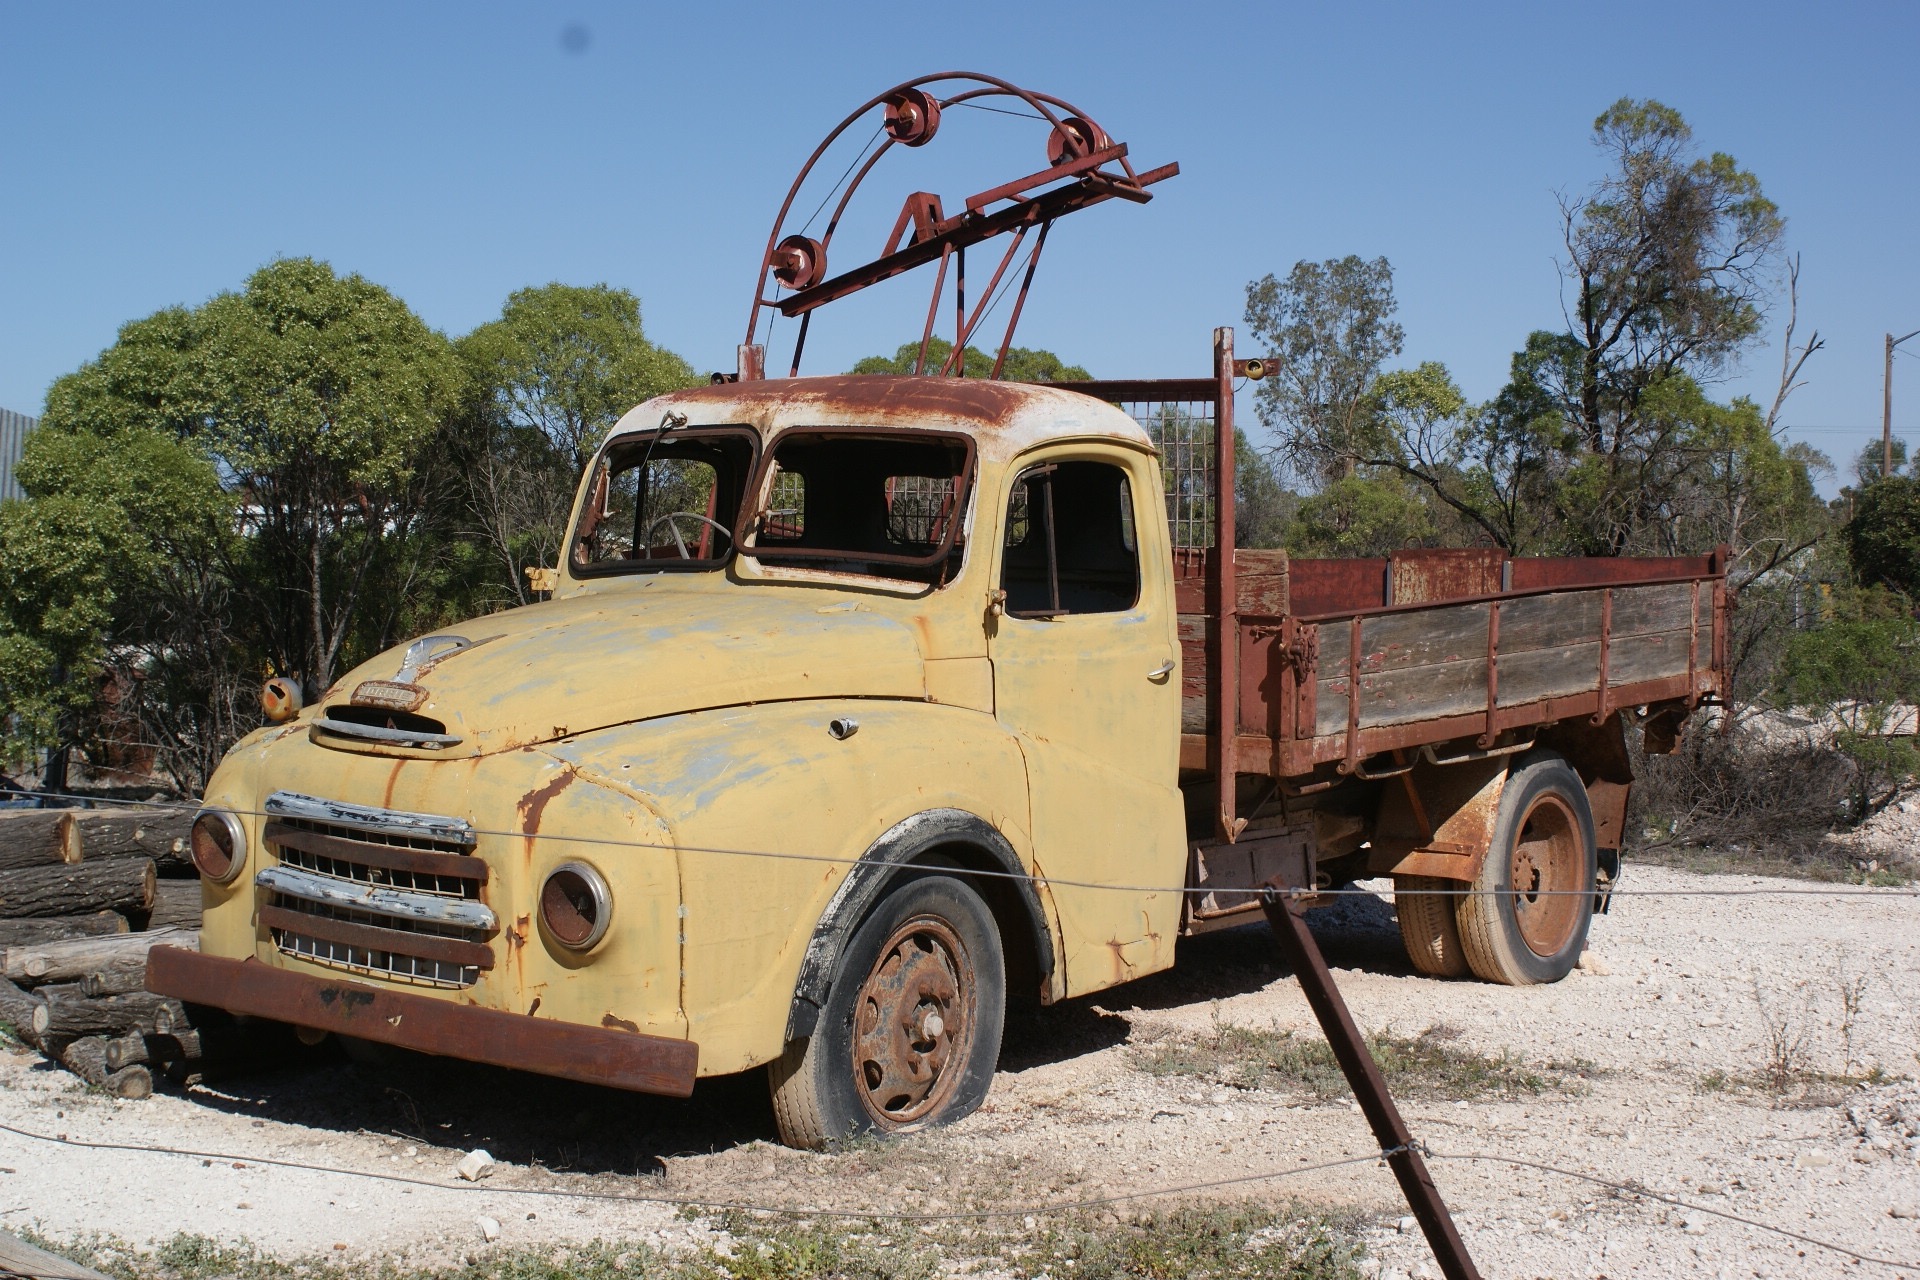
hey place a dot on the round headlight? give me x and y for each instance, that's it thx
(219, 844)
(576, 906)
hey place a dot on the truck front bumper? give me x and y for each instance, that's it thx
(595, 1055)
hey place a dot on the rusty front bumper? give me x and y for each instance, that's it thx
(595, 1055)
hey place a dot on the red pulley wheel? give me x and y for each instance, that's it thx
(913, 116)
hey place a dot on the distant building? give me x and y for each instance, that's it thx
(13, 438)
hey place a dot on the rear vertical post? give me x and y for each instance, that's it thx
(1226, 589)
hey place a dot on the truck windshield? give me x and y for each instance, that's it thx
(883, 505)
(665, 500)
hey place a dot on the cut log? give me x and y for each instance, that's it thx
(160, 834)
(72, 959)
(87, 1058)
(37, 838)
(69, 1013)
(17, 1009)
(18, 1258)
(129, 1051)
(21, 933)
(121, 884)
(176, 905)
(115, 980)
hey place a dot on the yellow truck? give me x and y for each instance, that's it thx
(862, 702)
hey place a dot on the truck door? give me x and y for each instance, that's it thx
(1086, 672)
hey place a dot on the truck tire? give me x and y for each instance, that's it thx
(910, 1032)
(1525, 922)
(1427, 924)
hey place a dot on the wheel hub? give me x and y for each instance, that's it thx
(912, 1021)
(1545, 873)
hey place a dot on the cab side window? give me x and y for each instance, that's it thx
(1071, 546)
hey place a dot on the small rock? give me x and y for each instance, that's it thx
(1694, 1224)
(1904, 1211)
(475, 1165)
(1593, 964)
(489, 1229)
(1406, 1225)
(1812, 1160)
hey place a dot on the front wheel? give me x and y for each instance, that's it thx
(910, 1032)
(1525, 920)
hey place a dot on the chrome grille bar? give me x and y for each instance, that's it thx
(392, 822)
(375, 900)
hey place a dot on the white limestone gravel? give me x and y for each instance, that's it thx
(1682, 999)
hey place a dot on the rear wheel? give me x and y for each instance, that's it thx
(1426, 907)
(1526, 919)
(911, 1028)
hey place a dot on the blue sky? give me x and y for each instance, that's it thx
(154, 155)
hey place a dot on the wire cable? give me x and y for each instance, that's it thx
(1633, 1189)
(999, 111)
(808, 224)
(717, 1206)
(1042, 881)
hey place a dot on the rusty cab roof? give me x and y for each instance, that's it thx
(1004, 418)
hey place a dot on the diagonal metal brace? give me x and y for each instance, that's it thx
(1287, 916)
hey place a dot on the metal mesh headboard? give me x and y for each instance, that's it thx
(1184, 431)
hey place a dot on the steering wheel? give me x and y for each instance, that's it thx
(678, 541)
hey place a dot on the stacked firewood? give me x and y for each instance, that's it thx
(83, 894)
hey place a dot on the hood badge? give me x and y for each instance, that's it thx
(389, 695)
(401, 693)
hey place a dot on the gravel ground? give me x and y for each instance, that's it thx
(1662, 1043)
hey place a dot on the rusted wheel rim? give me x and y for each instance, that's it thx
(914, 1023)
(1546, 867)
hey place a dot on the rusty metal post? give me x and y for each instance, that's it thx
(1288, 919)
(1226, 654)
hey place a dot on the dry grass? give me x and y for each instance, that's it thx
(1429, 1065)
(1229, 1242)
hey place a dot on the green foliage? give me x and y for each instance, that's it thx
(1328, 328)
(1870, 464)
(565, 361)
(1361, 515)
(106, 565)
(547, 381)
(316, 398)
(1022, 364)
(1864, 663)
(1883, 538)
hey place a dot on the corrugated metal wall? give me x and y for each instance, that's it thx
(13, 437)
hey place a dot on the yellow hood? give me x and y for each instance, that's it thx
(643, 648)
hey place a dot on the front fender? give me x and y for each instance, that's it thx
(906, 843)
(772, 814)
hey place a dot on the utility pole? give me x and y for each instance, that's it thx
(1886, 408)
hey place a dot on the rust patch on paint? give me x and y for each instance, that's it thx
(534, 803)
(619, 1024)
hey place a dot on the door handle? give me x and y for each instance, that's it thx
(1162, 671)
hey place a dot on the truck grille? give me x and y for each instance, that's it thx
(389, 894)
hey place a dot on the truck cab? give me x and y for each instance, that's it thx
(858, 700)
